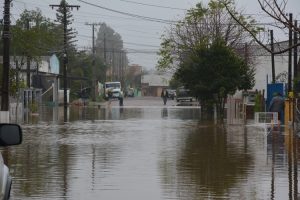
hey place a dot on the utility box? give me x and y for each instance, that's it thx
(61, 96)
(275, 88)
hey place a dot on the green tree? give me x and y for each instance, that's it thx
(70, 32)
(199, 49)
(174, 83)
(201, 26)
(214, 72)
(81, 71)
(39, 30)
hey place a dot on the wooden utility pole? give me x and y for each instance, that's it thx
(290, 55)
(295, 52)
(104, 51)
(272, 56)
(28, 58)
(6, 62)
(94, 81)
(64, 7)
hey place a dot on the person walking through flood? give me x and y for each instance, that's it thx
(164, 96)
(121, 98)
(277, 105)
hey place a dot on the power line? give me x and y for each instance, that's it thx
(152, 5)
(129, 14)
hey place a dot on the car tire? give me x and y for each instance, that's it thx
(8, 188)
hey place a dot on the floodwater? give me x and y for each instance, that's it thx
(150, 153)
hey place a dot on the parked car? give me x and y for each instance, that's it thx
(184, 95)
(130, 92)
(171, 94)
(10, 134)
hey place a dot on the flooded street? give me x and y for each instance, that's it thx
(152, 152)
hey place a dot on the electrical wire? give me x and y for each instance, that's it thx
(129, 14)
(131, 43)
(152, 5)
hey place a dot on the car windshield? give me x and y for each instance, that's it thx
(113, 85)
(184, 92)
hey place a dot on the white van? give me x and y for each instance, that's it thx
(112, 89)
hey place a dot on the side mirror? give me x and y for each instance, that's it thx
(10, 134)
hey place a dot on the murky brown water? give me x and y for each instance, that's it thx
(150, 153)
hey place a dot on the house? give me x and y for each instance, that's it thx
(133, 78)
(43, 74)
(154, 82)
(263, 65)
(263, 76)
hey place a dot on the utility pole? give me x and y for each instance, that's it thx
(290, 55)
(28, 58)
(113, 70)
(295, 52)
(6, 62)
(94, 81)
(105, 62)
(272, 56)
(64, 7)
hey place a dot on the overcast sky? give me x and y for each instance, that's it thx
(137, 34)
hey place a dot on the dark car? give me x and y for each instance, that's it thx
(171, 94)
(184, 95)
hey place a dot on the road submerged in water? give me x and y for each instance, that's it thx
(148, 151)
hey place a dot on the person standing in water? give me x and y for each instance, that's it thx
(164, 96)
(277, 105)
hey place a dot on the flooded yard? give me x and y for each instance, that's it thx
(150, 153)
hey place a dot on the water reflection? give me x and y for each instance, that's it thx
(150, 153)
(164, 113)
(208, 164)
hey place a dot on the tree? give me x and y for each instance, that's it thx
(207, 52)
(70, 32)
(214, 72)
(82, 71)
(42, 36)
(277, 12)
(34, 27)
(201, 26)
(109, 46)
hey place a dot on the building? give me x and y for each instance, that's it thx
(154, 82)
(43, 74)
(263, 65)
